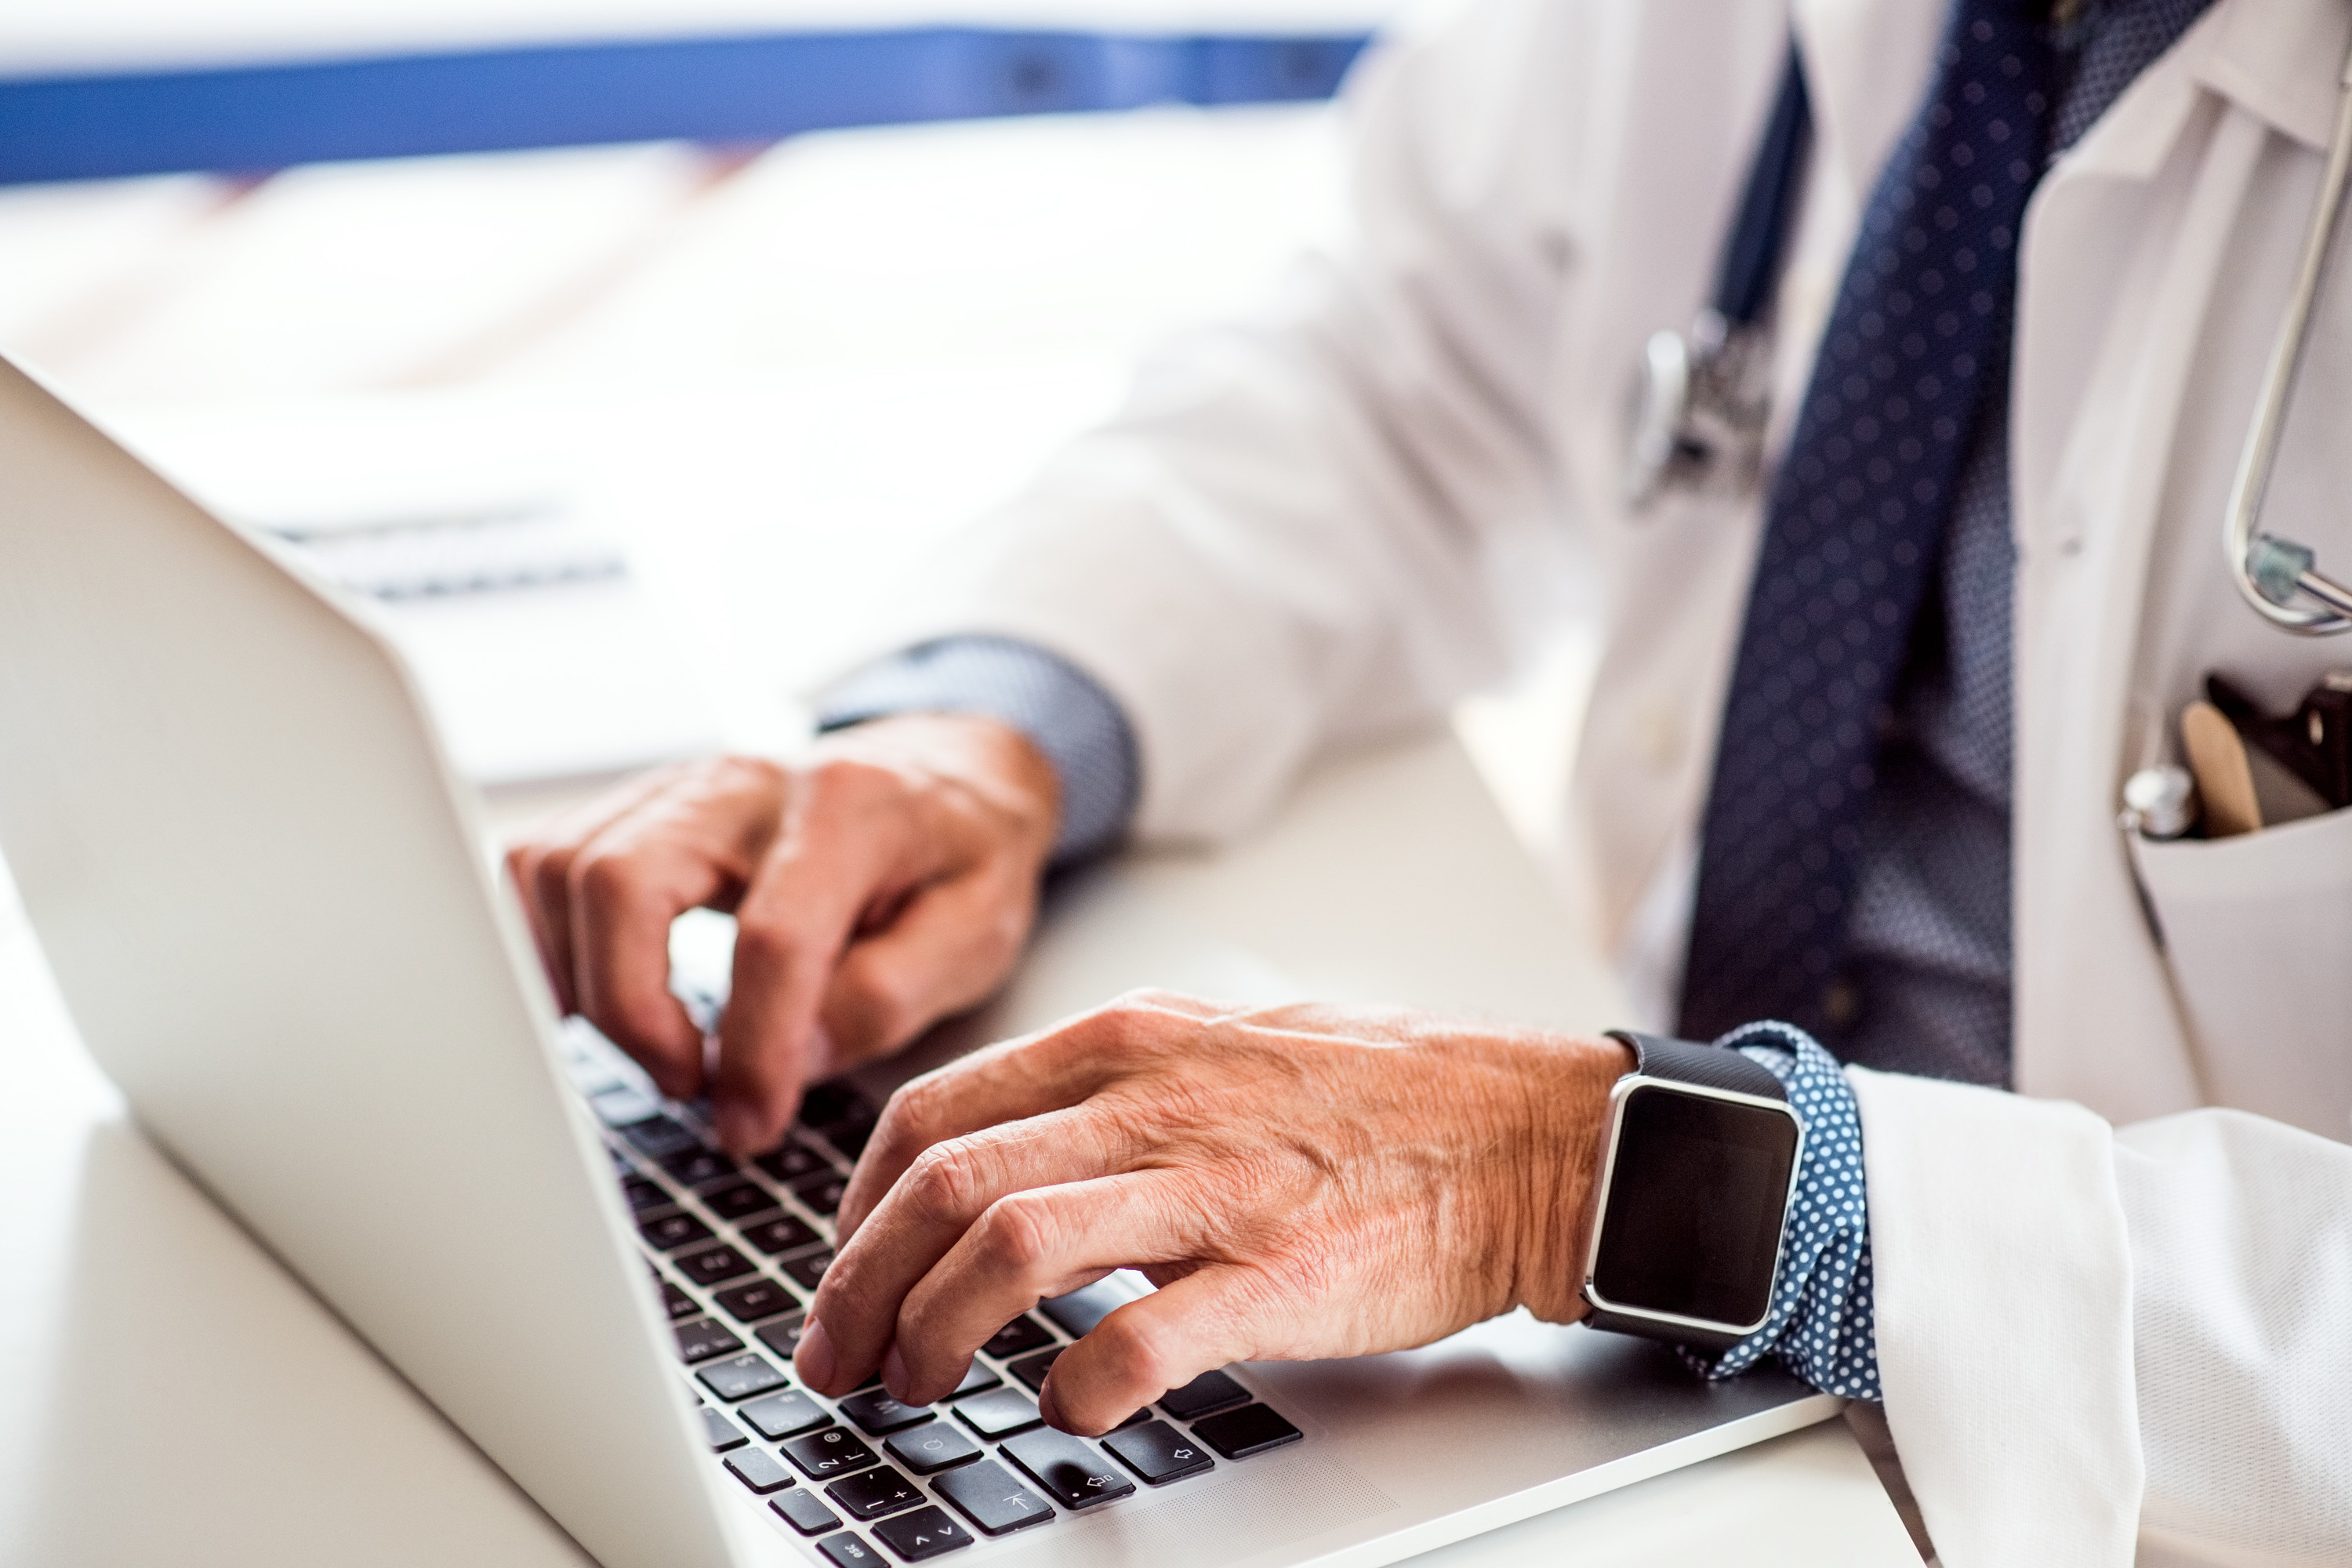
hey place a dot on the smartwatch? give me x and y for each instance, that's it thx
(1697, 1178)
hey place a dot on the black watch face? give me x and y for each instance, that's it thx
(1695, 1199)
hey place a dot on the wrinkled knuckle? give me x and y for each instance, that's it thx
(1123, 1023)
(911, 1116)
(944, 1181)
(1020, 1232)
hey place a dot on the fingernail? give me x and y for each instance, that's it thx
(894, 1375)
(1048, 1409)
(815, 1357)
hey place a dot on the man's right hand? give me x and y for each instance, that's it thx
(886, 882)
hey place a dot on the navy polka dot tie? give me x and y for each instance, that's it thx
(1857, 510)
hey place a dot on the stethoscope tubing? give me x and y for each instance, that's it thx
(2290, 566)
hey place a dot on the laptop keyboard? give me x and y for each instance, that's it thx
(737, 1251)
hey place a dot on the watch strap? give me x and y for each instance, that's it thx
(1710, 1067)
(1671, 1333)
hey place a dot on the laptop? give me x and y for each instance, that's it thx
(263, 890)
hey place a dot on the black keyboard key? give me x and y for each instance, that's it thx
(667, 1233)
(740, 1378)
(976, 1381)
(643, 1196)
(713, 1266)
(739, 1200)
(786, 1414)
(824, 1103)
(693, 1167)
(1252, 1429)
(851, 1134)
(1204, 1395)
(759, 1300)
(758, 1469)
(1158, 1453)
(986, 1494)
(781, 1234)
(927, 1450)
(872, 1493)
(845, 1550)
(661, 1137)
(826, 1455)
(784, 1337)
(805, 1272)
(999, 1415)
(922, 1535)
(723, 1433)
(822, 1194)
(703, 1338)
(790, 1162)
(877, 1413)
(677, 1303)
(1022, 1335)
(805, 1511)
(1070, 1471)
(1077, 1313)
(1032, 1369)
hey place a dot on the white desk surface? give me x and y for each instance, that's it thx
(170, 1394)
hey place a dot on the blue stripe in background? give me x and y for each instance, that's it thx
(718, 89)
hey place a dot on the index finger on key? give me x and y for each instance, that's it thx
(1050, 1070)
(929, 1213)
(685, 845)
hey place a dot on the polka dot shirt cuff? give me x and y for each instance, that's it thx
(1821, 1327)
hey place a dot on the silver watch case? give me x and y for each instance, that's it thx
(1618, 1095)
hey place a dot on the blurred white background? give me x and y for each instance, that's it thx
(777, 375)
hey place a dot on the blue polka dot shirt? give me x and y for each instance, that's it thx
(1822, 1326)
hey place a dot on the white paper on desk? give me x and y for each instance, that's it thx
(560, 673)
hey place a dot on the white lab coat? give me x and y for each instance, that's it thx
(1332, 521)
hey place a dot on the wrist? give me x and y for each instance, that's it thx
(1566, 1101)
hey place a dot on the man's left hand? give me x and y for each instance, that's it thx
(1300, 1183)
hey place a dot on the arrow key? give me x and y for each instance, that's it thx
(923, 1534)
(1158, 1453)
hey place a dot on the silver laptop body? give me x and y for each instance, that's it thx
(263, 893)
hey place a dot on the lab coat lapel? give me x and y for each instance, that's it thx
(2122, 253)
(2262, 60)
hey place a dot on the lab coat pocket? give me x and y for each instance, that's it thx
(2258, 931)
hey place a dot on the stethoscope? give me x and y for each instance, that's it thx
(2274, 574)
(1705, 395)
